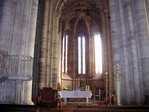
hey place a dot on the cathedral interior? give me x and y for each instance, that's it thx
(101, 46)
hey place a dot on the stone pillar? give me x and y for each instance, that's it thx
(49, 72)
(37, 53)
(143, 38)
(91, 62)
(44, 43)
(116, 39)
(125, 72)
(29, 23)
(17, 30)
(74, 47)
(128, 19)
(70, 56)
(49, 46)
(123, 31)
(135, 76)
(147, 10)
(18, 23)
(54, 58)
(109, 50)
(18, 92)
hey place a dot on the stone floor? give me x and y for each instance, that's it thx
(73, 108)
(98, 108)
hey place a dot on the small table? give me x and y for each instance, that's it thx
(75, 94)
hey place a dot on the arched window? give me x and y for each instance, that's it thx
(65, 54)
(81, 55)
(82, 52)
(98, 53)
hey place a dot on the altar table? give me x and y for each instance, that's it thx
(75, 94)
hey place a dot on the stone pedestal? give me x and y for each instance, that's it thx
(18, 89)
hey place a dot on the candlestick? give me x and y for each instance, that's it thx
(106, 74)
(118, 85)
(78, 82)
(75, 83)
(72, 84)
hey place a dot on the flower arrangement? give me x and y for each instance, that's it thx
(65, 88)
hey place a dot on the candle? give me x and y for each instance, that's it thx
(117, 66)
(72, 84)
(78, 83)
(75, 83)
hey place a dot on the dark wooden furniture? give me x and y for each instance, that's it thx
(49, 97)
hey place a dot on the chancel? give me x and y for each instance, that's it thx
(80, 55)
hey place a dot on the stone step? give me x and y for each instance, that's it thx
(73, 108)
(90, 108)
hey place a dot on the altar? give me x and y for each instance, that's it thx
(75, 94)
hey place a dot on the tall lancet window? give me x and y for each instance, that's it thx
(98, 54)
(81, 55)
(65, 54)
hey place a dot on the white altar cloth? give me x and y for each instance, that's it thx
(75, 94)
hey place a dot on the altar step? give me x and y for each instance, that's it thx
(90, 108)
(73, 108)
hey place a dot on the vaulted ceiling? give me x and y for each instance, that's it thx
(78, 16)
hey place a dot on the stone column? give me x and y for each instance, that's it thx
(54, 49)
(74, 53)
(91, 56)
(125, 72)
(70, 52)
(116, 39)
(146, 3)
(49, 46)
(17, 30)
(143, 40)
(121, 51)
(29, 23)
(44, 43)
(134, 55)
(18, 92)
(109, 50)
(37, 53)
